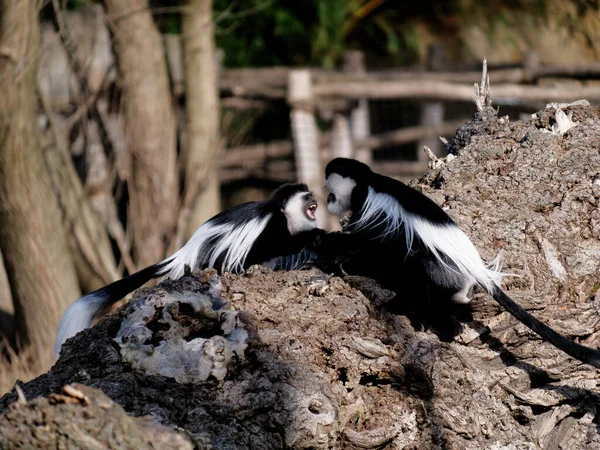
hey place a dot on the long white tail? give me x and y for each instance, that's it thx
(82, 312)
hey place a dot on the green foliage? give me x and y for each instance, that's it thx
(329, 32)
(259, 32)
(78, 4)
(276, 32)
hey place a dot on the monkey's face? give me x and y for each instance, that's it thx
(300, 212)
(339, 200)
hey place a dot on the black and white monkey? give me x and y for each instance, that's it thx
(400, 236)
(272, 232)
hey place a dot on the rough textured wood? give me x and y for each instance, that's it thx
(328, 367)
(38, 263)
(149, 121)
(440, 90)
(83, 418)
(270, 82)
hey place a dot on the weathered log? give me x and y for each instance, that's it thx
(441, 90)
(82, 417)
(243, 155)
(301, 360)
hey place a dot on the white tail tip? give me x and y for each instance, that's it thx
(78, 317)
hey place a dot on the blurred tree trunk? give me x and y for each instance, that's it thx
(88, 239)
(7, 310)
(150, 126)
(38, 262)
(202, 197)
(6, 303)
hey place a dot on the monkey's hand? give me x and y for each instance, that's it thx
(334, 249)
(345, 221)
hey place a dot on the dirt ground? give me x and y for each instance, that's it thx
(303, 360)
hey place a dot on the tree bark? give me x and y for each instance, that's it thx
(202, 196)
(150, 126)
(6, 304)
(33, 242)
(7, 310)
(81, 417)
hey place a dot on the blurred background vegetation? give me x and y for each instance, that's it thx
(260, 33)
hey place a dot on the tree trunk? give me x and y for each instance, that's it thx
(6, 304)
(202, 196)
(7, 310)
(36, 254)
(150, 127)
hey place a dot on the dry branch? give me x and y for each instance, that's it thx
(256, 154)
(271, 82)
(449, 91)
(90, 247)
(241, 155)
(482, 90)
(409, 134)
(275, 78)
(150, 126)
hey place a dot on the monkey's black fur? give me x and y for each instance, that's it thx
(274, 231)
(403, 266)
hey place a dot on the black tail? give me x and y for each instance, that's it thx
(120, 288)
(577, 351)
(82, 312)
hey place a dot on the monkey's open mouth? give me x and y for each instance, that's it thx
(310, 212)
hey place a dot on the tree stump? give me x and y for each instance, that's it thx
(294, 360)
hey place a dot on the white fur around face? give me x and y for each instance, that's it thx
(448, 239)
(342, 188)
(236, 241)
(295, 213)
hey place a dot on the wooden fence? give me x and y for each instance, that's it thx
(341, 98)
(330, 111)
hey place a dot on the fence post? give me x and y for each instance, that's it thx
(341, 138)
(354, 62)
(531, 64)
(432, 113)
(305, 137)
